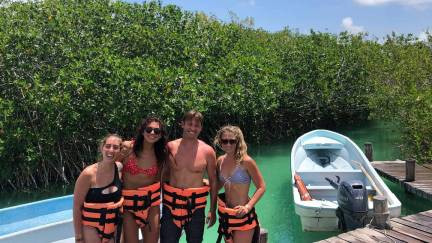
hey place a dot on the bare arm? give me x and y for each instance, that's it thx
(257, 179)
(219, 184)
(82, 186)
(165, 174)
(211, 172)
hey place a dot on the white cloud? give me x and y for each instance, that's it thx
(423, 36)
(415, 3)
(348, 25)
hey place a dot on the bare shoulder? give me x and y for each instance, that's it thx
(207, 148)
(220, 159)
(88, 172)
(91, 169)
(248, 161)
(174, 143)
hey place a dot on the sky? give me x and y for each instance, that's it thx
(375, 17)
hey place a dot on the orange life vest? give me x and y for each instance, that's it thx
(303, 191)
(103, 216)
(229, 222)
(139, 201)
(183, 202)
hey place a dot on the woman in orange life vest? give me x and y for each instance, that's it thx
(97, 196)
(237, 218)
(141, 181)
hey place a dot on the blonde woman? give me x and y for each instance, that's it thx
(98, 196)
(236, 170)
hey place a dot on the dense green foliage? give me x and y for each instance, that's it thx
(71, 71)
(403, 71)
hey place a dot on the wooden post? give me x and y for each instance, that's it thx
(263, 236)
(381, 213)
(410, 170)
(369, 151)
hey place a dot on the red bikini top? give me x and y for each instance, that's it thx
(132, 168)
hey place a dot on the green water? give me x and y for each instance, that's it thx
(276, 210)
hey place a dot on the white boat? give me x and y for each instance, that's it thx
(319, 154)
(42, 221)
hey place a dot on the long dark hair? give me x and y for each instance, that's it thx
(160, 149)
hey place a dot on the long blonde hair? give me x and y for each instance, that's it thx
(241, 147)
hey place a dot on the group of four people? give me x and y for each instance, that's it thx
(127, 185)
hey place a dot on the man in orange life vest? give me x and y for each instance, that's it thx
(184, 196)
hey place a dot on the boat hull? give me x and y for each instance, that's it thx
(42, 221)
(324, 154)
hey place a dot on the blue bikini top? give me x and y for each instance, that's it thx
(239, 176)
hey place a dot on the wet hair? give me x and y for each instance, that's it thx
(193, 115)
(160, 149)
(241, 147)
(102, 142)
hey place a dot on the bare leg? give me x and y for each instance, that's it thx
(130, 228)
(90, 235)
(151, 232)
(243, 236)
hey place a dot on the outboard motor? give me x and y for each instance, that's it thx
(353, 204)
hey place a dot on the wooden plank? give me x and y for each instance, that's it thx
(428, 212)
(378, 236)
(335, 239)
(350, 238)
(400, 236)
(413, 225)
(418, 219)
(359, 235)
(395, 171)
(406, 230)
(427, 215)
(429, 166)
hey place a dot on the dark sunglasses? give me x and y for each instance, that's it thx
(228, 141)
(156, 131)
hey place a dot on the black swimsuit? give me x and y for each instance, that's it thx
(95, 195)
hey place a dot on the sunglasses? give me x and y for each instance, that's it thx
(228, 141)
(156, 131)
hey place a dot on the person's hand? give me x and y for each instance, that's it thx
(242, 210)
(126, 149)
(206, 182)
(211, 219)
(127, 145)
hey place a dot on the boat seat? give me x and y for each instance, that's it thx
(323, 188)
(321, 143)
(317, 177)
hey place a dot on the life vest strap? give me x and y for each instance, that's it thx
(228, 221)
(185, 198)
(183, 206)
(146, 202)
(102, 216)
(99, 210)
(183, 202)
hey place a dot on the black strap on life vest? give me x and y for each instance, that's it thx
(190, 205)
(102, 220)
(224, 223)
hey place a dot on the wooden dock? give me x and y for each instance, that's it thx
(396, 171)
(412, 228)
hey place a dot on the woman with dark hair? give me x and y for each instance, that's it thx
(141, 182)
(98, 195)
(236, 170)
